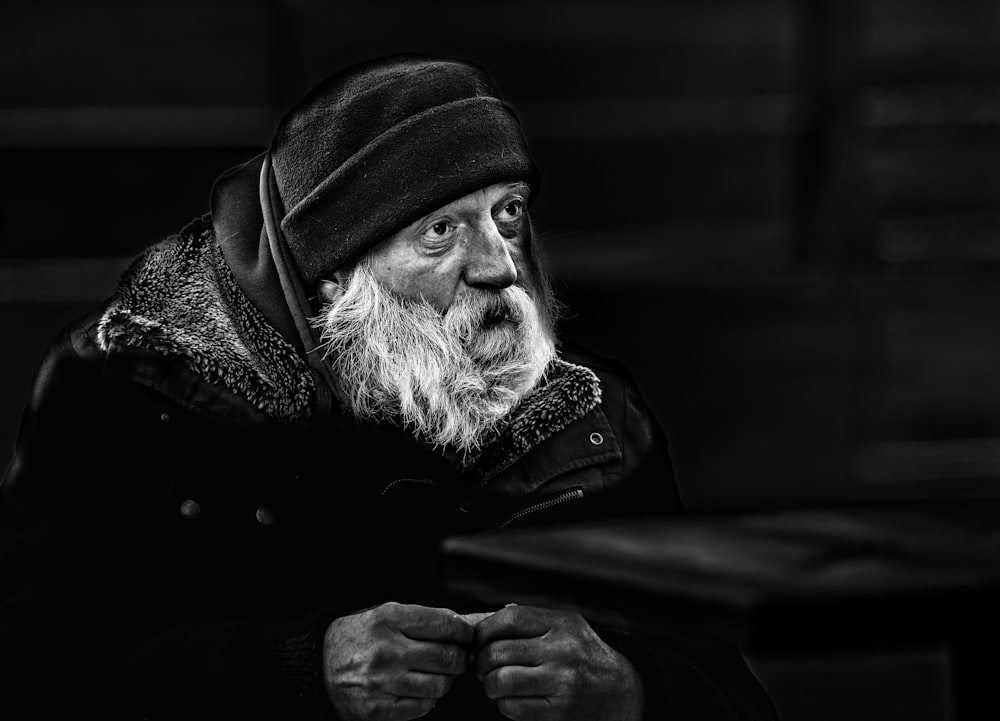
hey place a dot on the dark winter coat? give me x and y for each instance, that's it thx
(177, 530)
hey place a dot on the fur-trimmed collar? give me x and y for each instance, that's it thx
(179, 298)
(569, 392)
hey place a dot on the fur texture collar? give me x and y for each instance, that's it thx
(568, 393)
(179, 298)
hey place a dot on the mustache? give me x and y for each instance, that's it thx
(478, 308)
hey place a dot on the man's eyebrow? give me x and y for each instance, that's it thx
(517, 186)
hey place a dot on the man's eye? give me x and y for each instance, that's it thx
(511, 211)
(437, 230)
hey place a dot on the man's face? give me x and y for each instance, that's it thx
(477, 241)
(441, 325)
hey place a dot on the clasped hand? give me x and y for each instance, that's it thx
(393, 662)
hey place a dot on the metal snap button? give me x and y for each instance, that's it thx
(465, 507)
(190, 509)
(165, 417)
(596, 438)
(265, 516)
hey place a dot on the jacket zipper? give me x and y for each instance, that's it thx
(570, 494)
(424, 481)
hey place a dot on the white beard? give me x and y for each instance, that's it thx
(452, 378)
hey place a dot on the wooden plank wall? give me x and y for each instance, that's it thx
(782, 213)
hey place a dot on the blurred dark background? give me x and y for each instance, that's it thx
(783, 214)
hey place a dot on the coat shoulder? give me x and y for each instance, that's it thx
(617, 381)
(584, 355)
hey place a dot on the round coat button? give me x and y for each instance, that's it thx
(465, 507)
(265, 516)
(596, 438)
(165, 417)
(190, 509)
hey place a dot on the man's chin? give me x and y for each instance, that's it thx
(496, 340)
(501, 325)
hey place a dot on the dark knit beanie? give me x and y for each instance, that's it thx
(380, 144)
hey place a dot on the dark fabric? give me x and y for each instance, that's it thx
(114, 600)
(683, 680)
(382, 143)
(181, 300)
(176, 532)
(238, 223)
(296, 300)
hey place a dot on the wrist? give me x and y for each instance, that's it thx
(298, 656)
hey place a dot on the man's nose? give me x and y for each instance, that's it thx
(489, 264)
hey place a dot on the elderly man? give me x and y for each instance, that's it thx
(233, 479)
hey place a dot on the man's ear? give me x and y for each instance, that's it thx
(342, 275)
(330, 290)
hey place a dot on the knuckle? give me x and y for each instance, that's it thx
(511, 708)
(491, 685)
(506, 681)
(456, 659)
(397, 610)
(379, 616)
(382, 655)
(480, 665)
(515, 614)
(442, 686)
(379, 711)
(423, 707)
(390, 609)
(569, 646)
(569, 678)
(480, 630)
(447, 658)
(438, 625)
(491, 655)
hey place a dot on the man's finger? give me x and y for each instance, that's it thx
(509, 652)
(525, 709)
(510, 681)
(405, 709)
(475, 618)
(433, 624)
(421, 685)
(433, 657)
(513, 622)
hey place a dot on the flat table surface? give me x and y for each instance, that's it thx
(781, 580)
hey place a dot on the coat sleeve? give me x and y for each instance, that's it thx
(85, 618)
